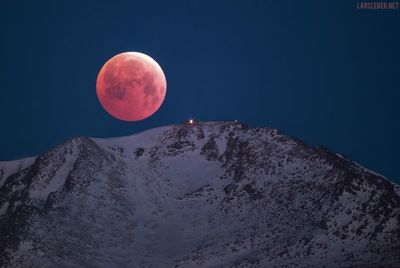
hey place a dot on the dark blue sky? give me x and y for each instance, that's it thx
(321, 71)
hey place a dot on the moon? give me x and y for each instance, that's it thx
(131, 86)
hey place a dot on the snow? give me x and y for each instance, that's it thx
(142, 139)
(8, 168)
(54, 183)
(170, 206)
(4, 207)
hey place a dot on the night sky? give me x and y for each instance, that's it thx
(321, 71)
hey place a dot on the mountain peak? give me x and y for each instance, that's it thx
(224, 194)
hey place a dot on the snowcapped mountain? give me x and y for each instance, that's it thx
(208, 194)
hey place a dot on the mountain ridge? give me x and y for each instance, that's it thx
(225, 194)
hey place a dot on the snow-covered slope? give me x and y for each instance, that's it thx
(8, 168)
(212, 194)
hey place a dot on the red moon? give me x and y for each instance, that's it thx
(131, 86)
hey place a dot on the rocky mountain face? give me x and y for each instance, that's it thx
(208, 194)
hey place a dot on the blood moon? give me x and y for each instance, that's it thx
(131, 86)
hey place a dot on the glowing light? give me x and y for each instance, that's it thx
(191, 121)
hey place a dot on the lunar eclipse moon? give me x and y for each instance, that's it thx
(131, 86)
